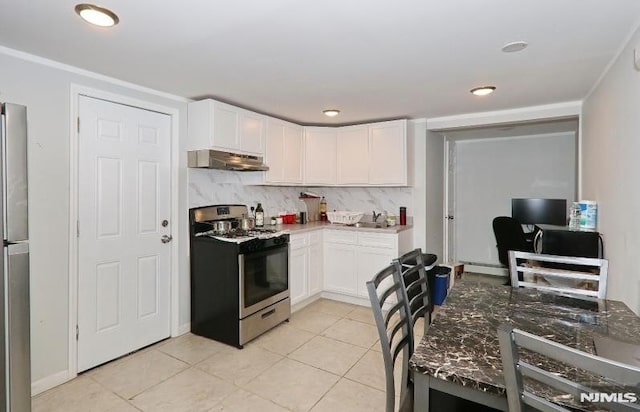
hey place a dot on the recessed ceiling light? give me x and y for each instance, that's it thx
(331, 112)
(514, 46)
(97, 15)
(483, 91)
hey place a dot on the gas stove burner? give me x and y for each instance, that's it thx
(237, 233)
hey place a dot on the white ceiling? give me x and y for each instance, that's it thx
(373, 59)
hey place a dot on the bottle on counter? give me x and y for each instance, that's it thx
(403, 215)
(259, 216)
(574, 216)
(323, 209)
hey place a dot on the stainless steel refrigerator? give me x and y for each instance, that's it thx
(15, 352)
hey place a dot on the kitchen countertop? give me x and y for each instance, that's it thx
(295, 229)
(462, 346)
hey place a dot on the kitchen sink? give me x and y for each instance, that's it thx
(375, 225)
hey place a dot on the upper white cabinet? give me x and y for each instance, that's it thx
(283, 152)
(251, 131)
(353, 155)
(372, 154)
(388, 153)
(320, 155)
(220, 126)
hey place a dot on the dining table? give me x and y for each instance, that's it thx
(459, 354)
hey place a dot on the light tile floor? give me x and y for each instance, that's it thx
(327, 358)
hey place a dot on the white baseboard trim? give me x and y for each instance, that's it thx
(488, 270)
(304, 303)
(50, 381)
(182, 329)
(346, 298)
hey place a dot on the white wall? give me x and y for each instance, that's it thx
(611, 171)
(46, 93)
(490, 172)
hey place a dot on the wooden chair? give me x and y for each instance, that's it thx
(570, 274)
(513, 340)
(395, 330)
(412, 267)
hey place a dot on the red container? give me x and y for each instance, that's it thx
(288, 219)
(403, 215)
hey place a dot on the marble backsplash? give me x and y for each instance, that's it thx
(210, 187)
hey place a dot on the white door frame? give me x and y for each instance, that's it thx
(448, 227)
(77, 91)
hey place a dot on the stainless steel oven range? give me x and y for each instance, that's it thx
(239, 278)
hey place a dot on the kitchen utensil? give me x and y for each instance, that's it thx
(247, 223)
(221, 226)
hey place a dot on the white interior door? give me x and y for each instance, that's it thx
(124, 210)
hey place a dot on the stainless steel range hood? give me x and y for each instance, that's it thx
(215, 159)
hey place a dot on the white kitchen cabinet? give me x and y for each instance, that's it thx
(320, 155)
(283, 152)
(353, 257)
(370, 261)
(315, 263)
(305, 265)
(298, 274)
(372, 154)
(353, 155)
(388, 153)
(251, 132)
(340, 268)
(221, 126)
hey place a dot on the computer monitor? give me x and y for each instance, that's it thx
(539, 211)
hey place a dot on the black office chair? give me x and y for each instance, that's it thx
(509, 236)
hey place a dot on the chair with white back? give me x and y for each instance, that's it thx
(577, 276)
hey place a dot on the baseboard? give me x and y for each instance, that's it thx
(184, 328)
(346, 298)
(306, 302)
(488, 270)
(49, 382)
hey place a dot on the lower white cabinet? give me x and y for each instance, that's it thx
(340, 268)
(315, 263)
(371, 260)
(353, 258)
(305, 265)
(299, 274)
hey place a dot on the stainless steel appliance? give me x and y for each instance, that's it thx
(15, 364)
(215, 159)
(239, 278)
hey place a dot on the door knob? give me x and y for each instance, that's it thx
(166, 238)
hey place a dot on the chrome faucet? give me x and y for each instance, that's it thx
(375, 216)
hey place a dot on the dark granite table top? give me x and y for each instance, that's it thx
(461, 346)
